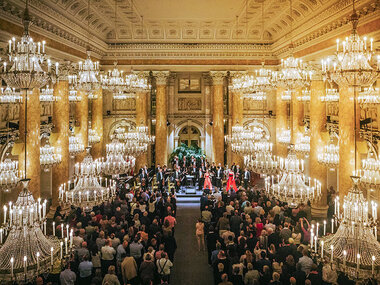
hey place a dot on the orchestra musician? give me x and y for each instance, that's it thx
(184, 163)
(200, 179)
(219, 175)
(177, 179)
(175, 162)
(212, 173)
(194, 173)
(144, 177)
(160, 177)
(238, 175)
(158, 168)
(246, 178)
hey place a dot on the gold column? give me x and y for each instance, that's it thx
(297, 116)
(346, 139)
(317, 142)
(33, 167)
(161, 149)
(218, 116)
(281, 122)
(60, 137)
(81, 122)
(141, 120)
(237, 119)
(97, 123)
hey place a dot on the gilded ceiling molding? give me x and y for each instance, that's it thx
(161, 77)
(218, 77)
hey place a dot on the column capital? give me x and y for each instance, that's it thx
(218, 77)
(66, 69)
(161, 77)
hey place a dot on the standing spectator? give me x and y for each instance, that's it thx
(85, 271)
(110, 278)
(67, 277)
(108, 256)
(199, 233)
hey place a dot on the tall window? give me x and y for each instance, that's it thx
(189, 136)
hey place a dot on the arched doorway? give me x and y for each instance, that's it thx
(190, 136)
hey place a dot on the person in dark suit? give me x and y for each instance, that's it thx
(184, 163)
(238, 173)
(246, 178)
(175, 162)
(219, 176)
(200, 179)
(233, 167)
(160, 177)
(177, 179)
(144, 177)
(158, 168)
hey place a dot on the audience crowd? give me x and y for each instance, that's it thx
(253, 239)
(127, 241)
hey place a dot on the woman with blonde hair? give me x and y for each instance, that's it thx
(110, 278)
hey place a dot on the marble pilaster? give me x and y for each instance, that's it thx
(317, 142)
(60, 137)
(161, 148)
(281, 122)
(97, 123)
(218, 116)
(81, 122)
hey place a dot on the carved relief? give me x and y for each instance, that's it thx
(253, 105)
(124, 105)
(189, 104)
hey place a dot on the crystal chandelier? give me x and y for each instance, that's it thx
(88, 72)
(263, 79)
(263, 163)
(286, 95)
(354, 248)
(302, 146)
(25, 69)
(27, 252)
(75, 145)
(353, 63)
(292, 74)
(291, 185)
(329, 156)
(87, 189)
(242, 82)
(10, 96)
(93, 137)
(136, 83)
(370, 172)
(120, 133)
(49, 156)
(256, 96)
(47, 94)
(73, 89)
(115, 163)
(305, 95)
(114, 80)
(332, 95)
(9, 174)
(284, 137)
(122, 95)
(369, 97)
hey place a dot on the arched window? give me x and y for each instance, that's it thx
(190, 136)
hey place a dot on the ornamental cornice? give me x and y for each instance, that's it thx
(199, 46)
(371, 9)
(218, 77)
(161, 77)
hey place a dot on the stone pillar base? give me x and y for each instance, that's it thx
(319, 212)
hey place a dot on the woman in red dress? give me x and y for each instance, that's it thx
(231, 182)
(207, 184)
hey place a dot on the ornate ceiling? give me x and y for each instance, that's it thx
(180, 22)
